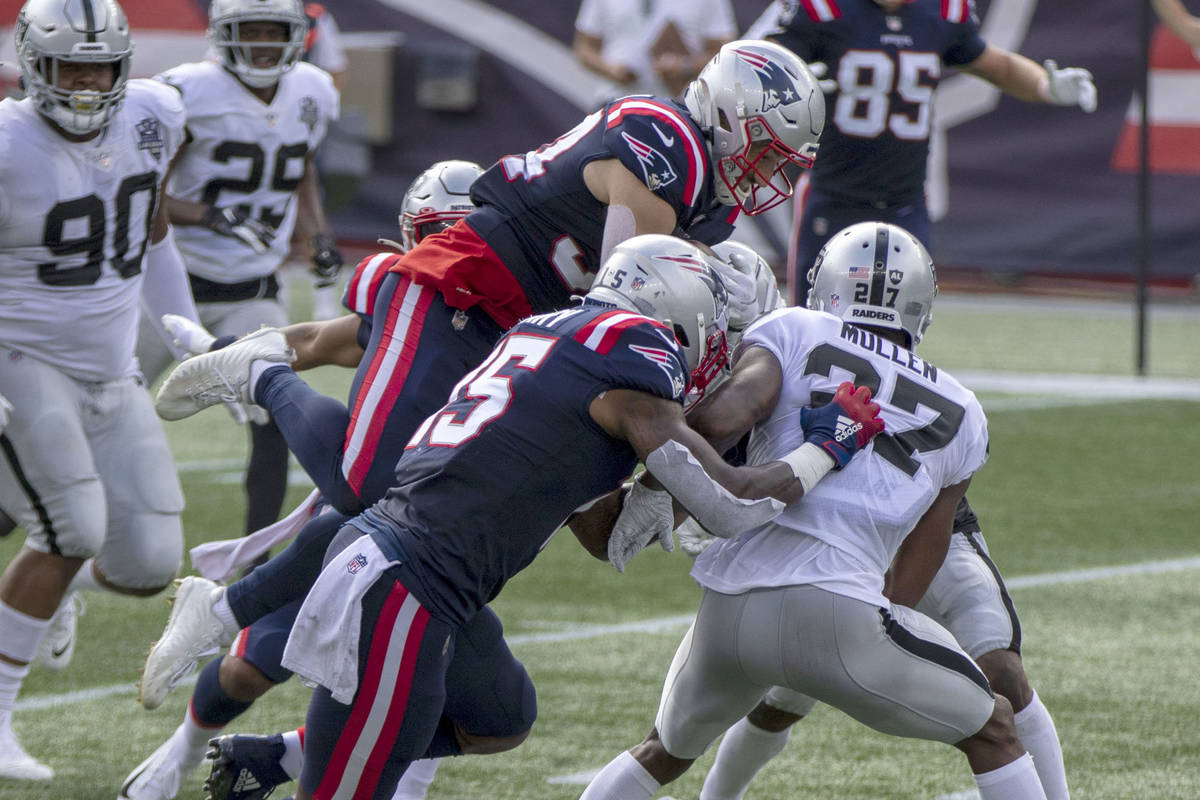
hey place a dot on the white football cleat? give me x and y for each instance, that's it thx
(222, 376)
(58, 645)
(15, 763)
(160, 776)
(193, 632)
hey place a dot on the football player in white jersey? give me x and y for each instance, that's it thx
(85, 467)
(243, 185)
(800, 602)
(967, 596)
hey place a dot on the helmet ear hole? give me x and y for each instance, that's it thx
(681, 335)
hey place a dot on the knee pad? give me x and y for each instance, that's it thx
(789, 700)
(143, 551)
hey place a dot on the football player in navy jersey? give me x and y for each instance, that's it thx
(544, 430)
(885, 58)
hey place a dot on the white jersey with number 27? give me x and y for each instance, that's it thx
(75, 222)
(843, 534)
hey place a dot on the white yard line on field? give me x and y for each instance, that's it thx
(659, 625)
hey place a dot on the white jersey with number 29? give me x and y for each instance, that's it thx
(248, 154)
(75, 221)
(843, 534)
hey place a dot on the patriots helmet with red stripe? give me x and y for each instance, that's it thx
(225, 18)
(761, 109)
(439, 197)
(875, 273)
(50, 32)
(672, 282)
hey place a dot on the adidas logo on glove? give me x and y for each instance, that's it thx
(846, 428)
(246, 782)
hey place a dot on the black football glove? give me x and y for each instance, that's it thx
(326, 260)
(237, 224)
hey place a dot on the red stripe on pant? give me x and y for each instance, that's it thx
(372, 691)
(384, 380)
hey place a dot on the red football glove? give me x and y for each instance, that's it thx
(845, 425)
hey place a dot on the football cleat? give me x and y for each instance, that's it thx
(159, 776)
(15, 763)
(244, 767)
(58, 645)
(193, 632)
(222, 376)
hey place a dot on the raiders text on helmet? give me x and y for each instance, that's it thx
(225, 18)
(49, 32)
(875, 273)
(761, 109)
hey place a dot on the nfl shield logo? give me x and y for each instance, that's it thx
(356, 564)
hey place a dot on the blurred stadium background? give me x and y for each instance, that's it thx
(1090, 501)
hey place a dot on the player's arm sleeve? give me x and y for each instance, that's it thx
(966, 44)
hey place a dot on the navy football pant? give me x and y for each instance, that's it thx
(823, 216)
(417, 675)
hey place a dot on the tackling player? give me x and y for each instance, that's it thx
(822, 567)
(83, 237)
(243, 184)
(884, 59)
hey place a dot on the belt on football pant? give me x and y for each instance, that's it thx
(206, 291)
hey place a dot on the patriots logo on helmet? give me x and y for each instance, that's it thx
(687, 262)
(656, 169)
(778, 87)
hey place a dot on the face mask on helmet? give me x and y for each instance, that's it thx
(875, 273)
(59, 38)
(762, 110)
(671, 281)
(439, 197)
(258, 40)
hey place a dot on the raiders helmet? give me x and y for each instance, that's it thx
(875, 273)
(49, 32)
(760, 109)
(670, 280)
(224, 20)
(440, 196)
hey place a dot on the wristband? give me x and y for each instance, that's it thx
(809, 463)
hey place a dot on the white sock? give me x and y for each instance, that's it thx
(85, 579)
(194, 735)
(1016, 780)
(744, 750)
(224, 612)
(257, 367)
(293, 758)
(1036, 730)
(623, 778)
(414, 783)
(11, 678)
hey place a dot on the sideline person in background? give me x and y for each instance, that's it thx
(882, 62)
(651, 46)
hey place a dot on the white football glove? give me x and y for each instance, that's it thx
(819, 70)
(188, 335)
(5, 410)
(693, 539)
(743, 294)
(1072, 86)
(647, 514)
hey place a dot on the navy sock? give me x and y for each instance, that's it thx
(211, 706)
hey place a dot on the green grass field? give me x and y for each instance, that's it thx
(1074, 483)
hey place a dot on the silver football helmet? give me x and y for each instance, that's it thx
(49, 32)
(749, 263)
(671, 281)
(225, 18)
(875, 273)
(439, 197)
(761, 109)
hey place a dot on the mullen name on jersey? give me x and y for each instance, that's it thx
(889, 350)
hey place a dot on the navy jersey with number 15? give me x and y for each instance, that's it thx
(487, 480)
